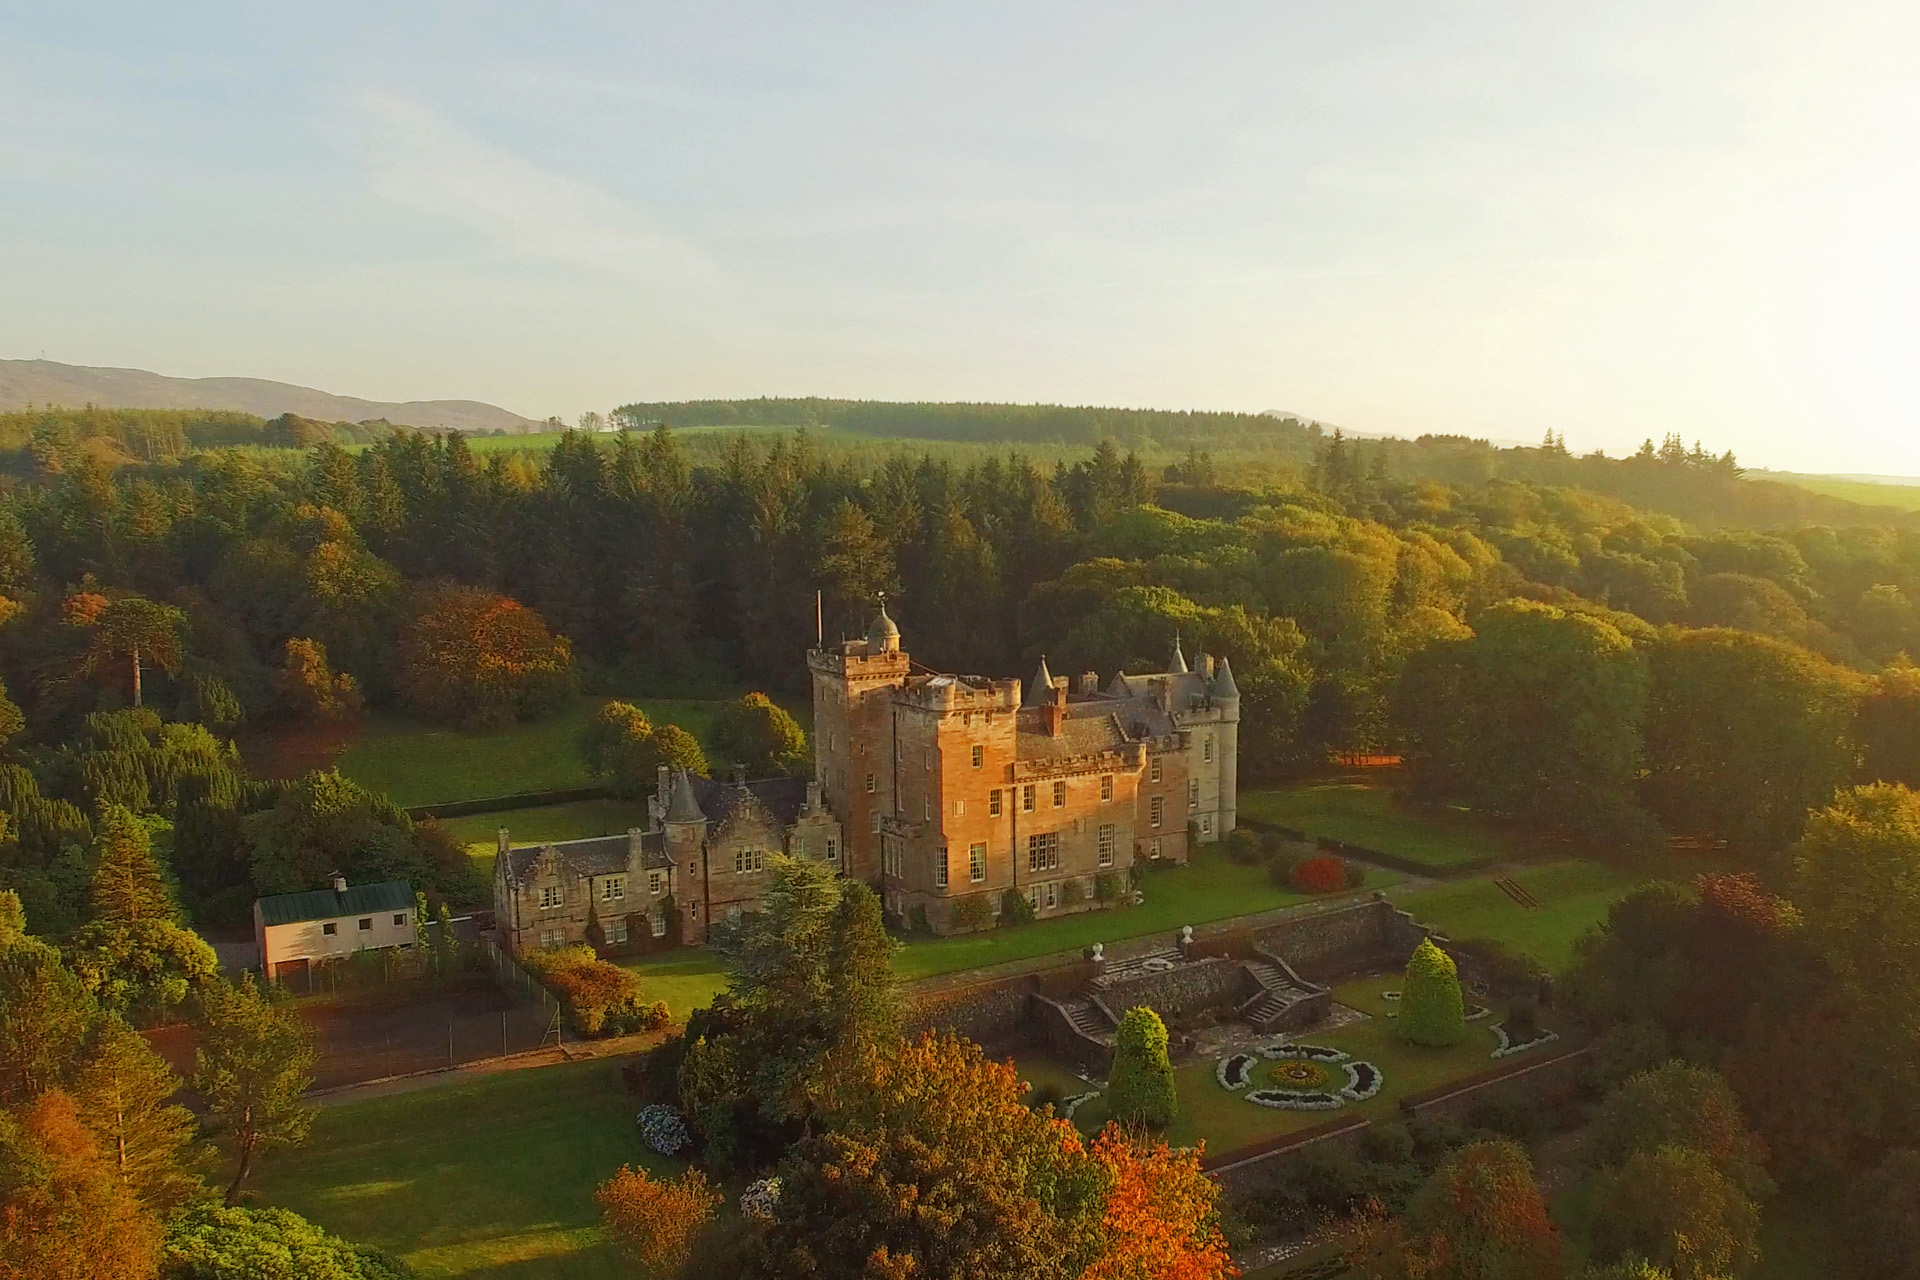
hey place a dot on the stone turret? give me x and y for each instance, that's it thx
(1040, 692)
(884, 635)
(1177, 665)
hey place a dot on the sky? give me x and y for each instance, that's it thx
(1613, 221)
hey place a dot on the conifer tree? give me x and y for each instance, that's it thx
(1432, 1011)
(1140, 1091)
(256, 1060)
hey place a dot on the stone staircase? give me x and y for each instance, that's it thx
(1284, 1001)
(1087, 1018)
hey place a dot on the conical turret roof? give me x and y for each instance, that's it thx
(1178, 665)
(1223, 685)
(681, 806)
(1041, 690)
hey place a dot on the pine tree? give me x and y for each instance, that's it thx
(256, 1060)
(129, 886)
(121, 1091)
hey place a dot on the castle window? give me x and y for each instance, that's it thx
(1059, 794)
(1193, 793)
(1086, 889)
(1154, 810)
(1043, 897)
(1154, 849)
(1106, 786)
(876, 819)
(659, 923)
(833, 849)
(746, 861)
(616, 931)
(1043, 851)
(890, 855)
(940, 868)
(653, 883)
(1153, 772)
(1026, 798)
(870, 787)
(1206, 825)
(926, 808)
(993, 803)
(1206, 749)
(613, 889)
(552, 937)
(979, 756)
(1106, 845)
(977, 861)
(551, 896)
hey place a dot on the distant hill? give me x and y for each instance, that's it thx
(40, 382)
(1900, 492)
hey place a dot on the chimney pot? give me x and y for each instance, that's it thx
(339, 882)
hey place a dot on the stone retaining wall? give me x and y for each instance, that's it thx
(1210, 983)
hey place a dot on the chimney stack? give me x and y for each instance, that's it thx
(339, 883)
(1056, 707)
(502, 842)
(1090, 682)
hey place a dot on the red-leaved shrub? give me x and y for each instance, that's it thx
(1322, 873)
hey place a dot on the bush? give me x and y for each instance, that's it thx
(1242, 846)
(1356, 875)
(1322, 873)
(598, 998)
(1141, 1090)
(1432, 1011)
(663, 1128)
(973, 913)
(1280, 870)
(1014, 908)
(1107, 886)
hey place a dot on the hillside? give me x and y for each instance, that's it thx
(24, 382)
(1898, 493)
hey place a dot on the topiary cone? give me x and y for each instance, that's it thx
(1431, 1009)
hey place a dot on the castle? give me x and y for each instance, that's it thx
(944, 792)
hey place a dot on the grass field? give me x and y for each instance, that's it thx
(489, 1178)
(1210, 887)
(417, 763)
(1226, 1121)
(480, 831)
(1574, 895)
(686, 979)
(1905, 497)
(1366, 815)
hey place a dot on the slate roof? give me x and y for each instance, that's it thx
(783, 797)
(593, 856)
(326, 904)
(1087, 728)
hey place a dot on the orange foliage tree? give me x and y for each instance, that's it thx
(1160, 1222)
(1479, 1215)
(311, 687)
(475, 658)
(63, 1209)
(656, 1220)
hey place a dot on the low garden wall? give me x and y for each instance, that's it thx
(520, 800)
(994, 1013)
(1210, 983)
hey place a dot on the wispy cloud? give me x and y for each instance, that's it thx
(426, 162)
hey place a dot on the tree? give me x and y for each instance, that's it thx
(863, 994)
(759, 734)
(1160, 1221)
(617, 744)
(677, 749)
(1674, 1208)
(1140, 1091)
(1432, 1011)
(928, 1163)
(1744, 735)
(1479, 1217)
(1883, 1217)
(134, 955)
(311, 688)
(657, 1220)
(130, 628)
(1681, 1105)
(214, 1242)
(46, 1015)
(121, 1087)
(853, 565)
(255, 1061)
(1536, 715)
(1857, 881)
(474, 658)
(12, 720)
(63, 1213)
(128, 886)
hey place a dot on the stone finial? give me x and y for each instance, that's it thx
(1177, 666)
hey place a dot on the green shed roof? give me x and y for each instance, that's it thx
(325, 904)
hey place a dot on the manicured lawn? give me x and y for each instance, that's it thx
(1366, 815)
(1226, 1121)
(1211, 887)
(1574, 895)
(480, 831)
(687, 979)
(418, 763)
(492, 1177)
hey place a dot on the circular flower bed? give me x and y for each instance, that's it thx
(1302, 1077)
(663, 1128)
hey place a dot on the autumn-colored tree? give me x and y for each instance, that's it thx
(310, 687)
(656, 1220)
(127, 628)
(1160, 1221)
(929, 1163)
(1479, 1216)
(1674, 1208)
(474, 658)
(63, 1212)
(256, 1061)
(1681, 1105)
(617, 744)
(757, 733)
(675, 748)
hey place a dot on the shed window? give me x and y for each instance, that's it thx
(329, 928)
(366, 924)
(399, 920)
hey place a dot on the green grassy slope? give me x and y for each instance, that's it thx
(1366, 815)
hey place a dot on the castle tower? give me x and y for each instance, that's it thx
(1226, 696)
(853, 746)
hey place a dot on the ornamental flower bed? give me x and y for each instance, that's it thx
(663, 1128)
(1301, 1077)
(1322, 873)
(1507, 1045)
(1070, 1105)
